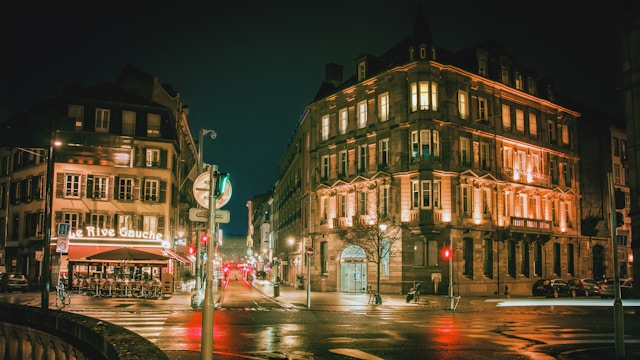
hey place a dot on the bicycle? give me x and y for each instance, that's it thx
(62, 297)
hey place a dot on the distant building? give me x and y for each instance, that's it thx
(425, 149)
(120, 178)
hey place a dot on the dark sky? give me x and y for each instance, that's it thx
(247, 69)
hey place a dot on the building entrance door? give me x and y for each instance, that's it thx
(353, 270)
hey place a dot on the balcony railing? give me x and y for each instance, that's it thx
(530, 225)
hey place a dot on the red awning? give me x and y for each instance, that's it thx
(79, 254)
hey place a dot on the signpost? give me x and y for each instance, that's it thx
(309, 251)
(62, 243)
(202, 215)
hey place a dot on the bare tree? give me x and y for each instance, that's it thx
(376, 239)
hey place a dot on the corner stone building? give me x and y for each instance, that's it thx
(467, 150)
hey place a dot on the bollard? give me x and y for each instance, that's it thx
(276, 289)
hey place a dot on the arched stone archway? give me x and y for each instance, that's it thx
(353, 270)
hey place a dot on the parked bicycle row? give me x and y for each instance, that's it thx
(119, 288)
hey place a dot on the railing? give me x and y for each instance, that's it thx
(526, 224)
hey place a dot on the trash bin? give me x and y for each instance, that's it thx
(276, 290)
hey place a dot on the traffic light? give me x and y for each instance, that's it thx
(619, 219)
(191, 250)
(446, 253)
(223, 181)
(205, 238)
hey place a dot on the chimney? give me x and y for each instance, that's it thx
(333, 74)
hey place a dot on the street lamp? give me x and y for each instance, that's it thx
(45, 277)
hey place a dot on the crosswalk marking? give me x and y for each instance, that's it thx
(146, 324)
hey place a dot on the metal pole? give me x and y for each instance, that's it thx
(45, 276)
(618, 315)
(308, 281)
(451, 272)
(209, 301)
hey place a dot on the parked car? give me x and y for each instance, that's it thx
(626, 288)
(552, 288)
(13, 281)
(585, 287)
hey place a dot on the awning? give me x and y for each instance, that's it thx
(83, 254)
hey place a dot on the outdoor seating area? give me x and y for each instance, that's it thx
(148, 289)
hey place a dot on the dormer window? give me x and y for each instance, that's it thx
(412, 54)
(504, 74)
(531, 86)
(423, 52)
(518, 81)
(482, 65)
(550, 94)
(362, 70)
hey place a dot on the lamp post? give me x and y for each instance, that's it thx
(45, 276)
(201, 135)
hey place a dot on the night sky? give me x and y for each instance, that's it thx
(247, 69)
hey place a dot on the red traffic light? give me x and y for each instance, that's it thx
(191, 250)
(446, 253)
(205, 238)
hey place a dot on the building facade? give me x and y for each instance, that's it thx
(120, 161)
(428, 150)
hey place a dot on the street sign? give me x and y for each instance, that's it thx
(201, 191)
(63, 229)
(222, 216)
(309, 251)
(62, 244)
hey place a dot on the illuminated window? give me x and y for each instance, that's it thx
(344, 163)
(150, 223)
(72, 185)
(71, 218)
(520, 121)
(506, 117)
(424, 96)
(151, 190)
(483, 109)
(344, 120)
(533, 125)
(617, 174)
(125, 189)
(152, 158)
(102, 120)
(125, 221)
(324, 132)
(76, 114)
(28, 188)
(153, 125)
(383, 106)
(384, 153)
(531, 86)
(128, 123)
(362, 114)
(463, 104)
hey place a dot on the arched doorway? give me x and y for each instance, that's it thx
(353, 270)
(599, 272)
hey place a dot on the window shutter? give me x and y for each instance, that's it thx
(163, 159)
(160, 225)
(90, 186)
(59, 184)
(116, 187)
(163, 191)
(140, 154)
(137, 191)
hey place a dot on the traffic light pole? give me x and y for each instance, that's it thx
(206, 347)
